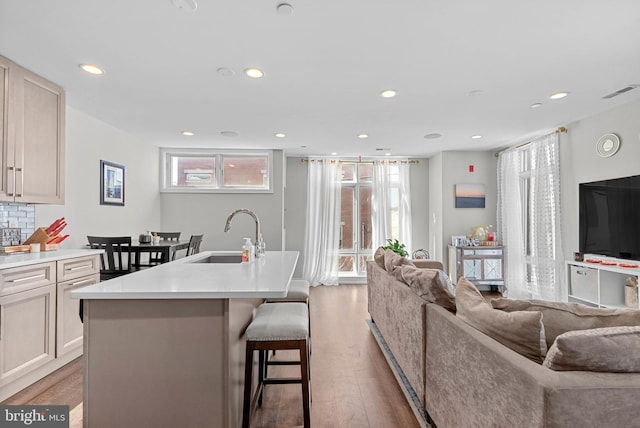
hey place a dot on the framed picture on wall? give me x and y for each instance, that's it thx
(111, 183)
(470, 195)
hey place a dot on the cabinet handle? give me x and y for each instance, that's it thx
(21, 182)
(581, 272)
(29, 278)
(84, 281)
(79, 267)
(10, 174)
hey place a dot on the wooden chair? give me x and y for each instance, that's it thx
(194, 244)
(156, 258)
(116, 260)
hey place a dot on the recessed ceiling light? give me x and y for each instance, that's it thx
(476, 137)
(229, 133)
(254, 73)
(280, 135)
(92, 69)
(535, 105)
(387, 154)
(189, 5)
(333, 153)
(432, 136)
(362, 136)
(388, 93)
(187, 133)
(558, 95)
(284, 9)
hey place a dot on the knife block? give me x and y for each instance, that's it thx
(41, 237)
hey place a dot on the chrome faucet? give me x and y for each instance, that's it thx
(259, 244)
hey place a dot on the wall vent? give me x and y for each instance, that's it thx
(620, 91)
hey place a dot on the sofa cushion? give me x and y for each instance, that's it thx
(521, 331)
(431, 285)
(388, 260)
(561, 317)
(611, 349)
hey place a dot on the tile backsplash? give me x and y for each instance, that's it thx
(18, 215)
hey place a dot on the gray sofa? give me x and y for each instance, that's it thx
(463, 378)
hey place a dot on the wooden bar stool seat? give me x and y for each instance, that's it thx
(277, 326)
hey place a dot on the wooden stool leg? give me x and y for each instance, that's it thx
(304, 374)
(262, 373)
(248, 374)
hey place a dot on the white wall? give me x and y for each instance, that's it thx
(206, 213)
(88, 141)
(579, 162)
(453, 168)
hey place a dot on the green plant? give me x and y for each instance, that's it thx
(396, 247)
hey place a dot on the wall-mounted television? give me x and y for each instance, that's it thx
(610, 217)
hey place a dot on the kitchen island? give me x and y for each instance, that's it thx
(164, 346)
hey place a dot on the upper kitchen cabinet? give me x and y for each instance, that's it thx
(32, 139)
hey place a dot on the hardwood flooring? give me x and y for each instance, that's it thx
(352, 385)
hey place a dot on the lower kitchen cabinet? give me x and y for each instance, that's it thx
(27, 331)
(40, 330)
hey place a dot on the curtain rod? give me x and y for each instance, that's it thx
(561, 130)
(392, 161)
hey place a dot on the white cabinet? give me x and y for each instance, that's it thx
(598, 285)
(482, 265)
(40, 329)
(72, 274)
(27, 321)
(32, 142)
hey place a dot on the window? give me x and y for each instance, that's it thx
(355, 219)
(212, 171)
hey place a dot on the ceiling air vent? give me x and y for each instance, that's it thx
(620, 91)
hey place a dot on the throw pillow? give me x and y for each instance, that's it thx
(393, 260)
(520, 331)
(611, 349)
(428, 284)
(561, 317)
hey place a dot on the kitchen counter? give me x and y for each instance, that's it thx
(165, 346)
(25, 259)
(185, 278)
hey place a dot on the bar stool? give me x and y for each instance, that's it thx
(277, 326)
(298, 293)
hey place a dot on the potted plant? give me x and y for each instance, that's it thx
(396, 247)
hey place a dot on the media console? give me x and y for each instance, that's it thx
(600, 284)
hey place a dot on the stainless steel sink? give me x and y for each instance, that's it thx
(220, 258)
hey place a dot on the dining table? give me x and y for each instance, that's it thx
(166, 247)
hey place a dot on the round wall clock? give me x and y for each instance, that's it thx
(607, 145)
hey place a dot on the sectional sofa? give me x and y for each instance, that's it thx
(464, 378)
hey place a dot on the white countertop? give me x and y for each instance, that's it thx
(264, 277)
(24, 259)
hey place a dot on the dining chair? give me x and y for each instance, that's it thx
(114, 262)
(156, 258)
(194, 244)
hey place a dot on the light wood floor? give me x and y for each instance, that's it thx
(352, 385)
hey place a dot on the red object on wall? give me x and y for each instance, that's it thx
(470, 168)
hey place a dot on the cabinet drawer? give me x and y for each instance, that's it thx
(78, 267)
(584, 283)
(14, 280)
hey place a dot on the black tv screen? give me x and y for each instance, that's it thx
(610, 218)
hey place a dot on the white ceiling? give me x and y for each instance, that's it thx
(326, 65)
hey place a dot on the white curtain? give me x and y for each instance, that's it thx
(391, 203)
(510, 225)
(322, 235)
(546, 257)
(529, 220)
